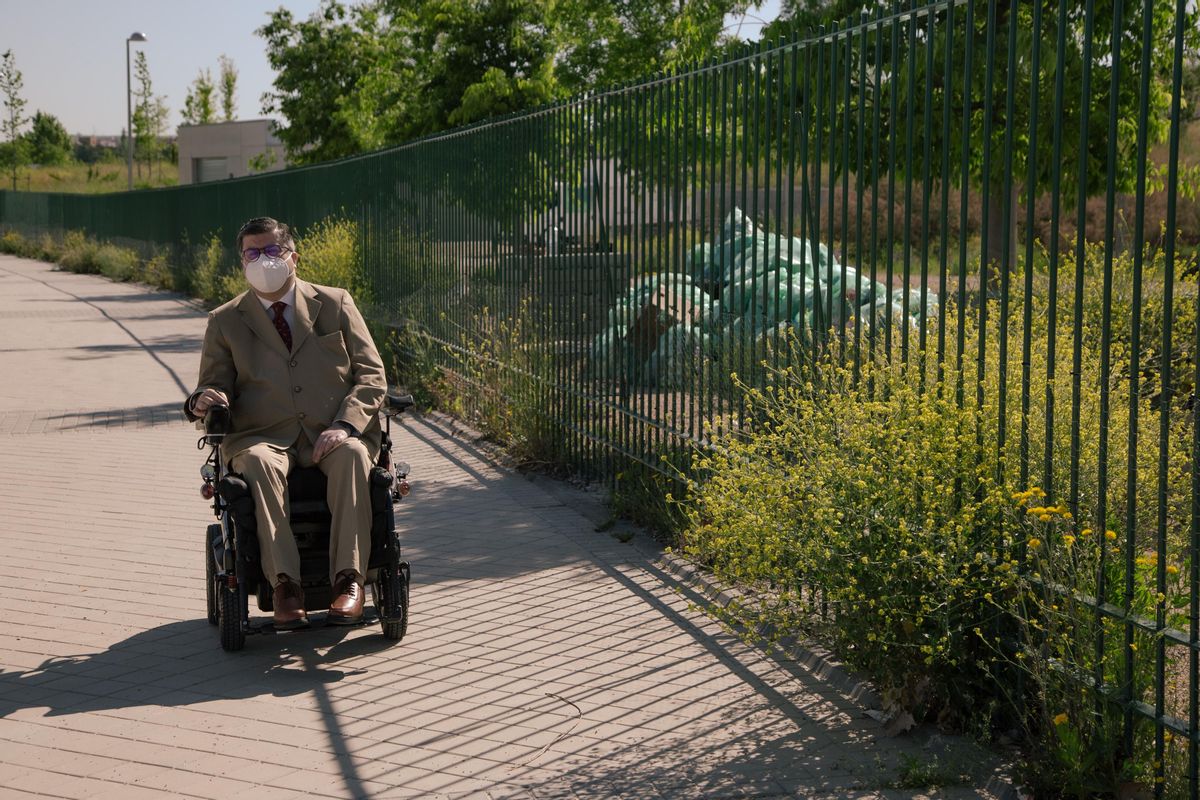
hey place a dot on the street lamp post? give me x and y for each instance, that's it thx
(134, 37)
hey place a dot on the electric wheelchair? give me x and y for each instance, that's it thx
(234, 569)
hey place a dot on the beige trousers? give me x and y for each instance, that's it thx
(347, 468)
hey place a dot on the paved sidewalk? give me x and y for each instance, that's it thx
(543, 659)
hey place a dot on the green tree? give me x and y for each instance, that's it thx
(477, 59)
(995, 125)
(149, 116)
(49, 142)
(13, 149)
(321, 64)
(229, 77)
(198, 106)
(357, 78)
(807, 16)
(601, 43)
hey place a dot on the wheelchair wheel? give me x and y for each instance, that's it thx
(210, 573)
(391, 600)
(232, 635)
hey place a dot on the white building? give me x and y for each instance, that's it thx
(228, 150)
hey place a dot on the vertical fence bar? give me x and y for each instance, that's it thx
(1101, 512)
(1055, 249)
(892, 131)
(1080, 250)
(833, 166)
(790, 228)
(910, 89)
(782, 227)
(859, 185)
(1007, 245)
(877, 102)
(844, 167)
(944, 233)
(1031, 181)
(1167, 393)
(926, 189)
(1128, 688)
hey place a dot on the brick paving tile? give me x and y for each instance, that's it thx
(543, 659)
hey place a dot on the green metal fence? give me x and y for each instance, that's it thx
(992, 187)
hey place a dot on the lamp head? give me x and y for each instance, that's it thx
(136, 36)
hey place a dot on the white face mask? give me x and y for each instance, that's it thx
(268, 275)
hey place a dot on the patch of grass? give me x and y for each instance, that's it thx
(927, 773)
(79, 178)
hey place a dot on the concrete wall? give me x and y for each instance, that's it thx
(237, 142)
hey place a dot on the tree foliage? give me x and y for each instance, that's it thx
(198, 107)
(603, 43)
(13, 147)
(229, 77)
(149, 114)
(328, 79)
(49, 142)
(906, 75)
(355, 78)
(200, 104)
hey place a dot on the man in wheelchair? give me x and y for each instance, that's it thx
(297, 367)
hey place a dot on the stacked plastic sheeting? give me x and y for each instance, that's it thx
(748, 286)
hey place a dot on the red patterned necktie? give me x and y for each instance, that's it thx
(281, 325)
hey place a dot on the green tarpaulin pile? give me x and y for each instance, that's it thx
(749, 287)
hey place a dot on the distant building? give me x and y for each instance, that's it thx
(228, 150)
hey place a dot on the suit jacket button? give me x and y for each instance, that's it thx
(301, 415)
(292, 364)
(297, 389)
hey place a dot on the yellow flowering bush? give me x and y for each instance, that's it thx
(983, 552)
(860, 511)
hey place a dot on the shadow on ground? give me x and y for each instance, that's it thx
(182, 663)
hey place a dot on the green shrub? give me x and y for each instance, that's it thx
(869, 493)
(157, 272)
(497, 382)
(16, 244)
(49, 248)
(214, 278)
(329, 256)
(78, 253)
(117, 263)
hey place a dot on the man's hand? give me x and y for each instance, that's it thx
(327, 441)
(207, 399)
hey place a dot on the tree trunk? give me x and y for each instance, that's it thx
(998, 236)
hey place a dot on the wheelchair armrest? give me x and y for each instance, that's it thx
(397, 404)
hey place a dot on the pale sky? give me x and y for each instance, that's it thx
(71, 53)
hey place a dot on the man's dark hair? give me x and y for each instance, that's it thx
(266, 225)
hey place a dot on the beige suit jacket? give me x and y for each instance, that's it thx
(333, 372)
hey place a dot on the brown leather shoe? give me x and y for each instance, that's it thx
(347, 605)
(288, 600)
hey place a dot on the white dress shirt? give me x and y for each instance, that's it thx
(289, 313)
